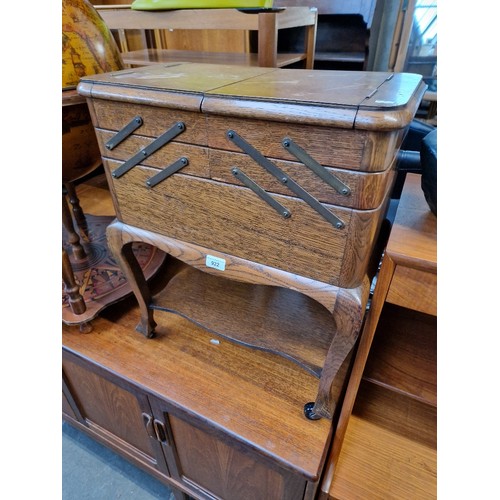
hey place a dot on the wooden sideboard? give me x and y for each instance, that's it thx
(207, 417)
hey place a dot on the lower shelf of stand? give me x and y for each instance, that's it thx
(269, 318)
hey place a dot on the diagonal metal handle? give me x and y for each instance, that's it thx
(144, 153)
(318, 169)
(122, 134)
(167, 172)
(283, 211)
(284, 179)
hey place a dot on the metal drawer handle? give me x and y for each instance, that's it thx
(167, 172)
(283, 211)
(284, 179)
(318, 169)
(144, 153)
(122, 134)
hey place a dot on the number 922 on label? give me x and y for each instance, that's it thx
(215, 262)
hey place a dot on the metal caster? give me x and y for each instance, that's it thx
(309, 413)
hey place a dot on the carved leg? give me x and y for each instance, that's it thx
(78, 214)
(349, 312)
(125, 258)
(73, 237)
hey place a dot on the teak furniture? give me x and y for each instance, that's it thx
(400, 359)
(267, 23)
(270, 185)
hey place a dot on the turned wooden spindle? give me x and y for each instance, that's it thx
(71, 288)
(73, 237)
(78, 213)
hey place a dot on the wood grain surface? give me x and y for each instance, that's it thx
(233, 220)
(274, 319)
(254, 396)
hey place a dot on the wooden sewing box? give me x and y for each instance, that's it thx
(268, 185)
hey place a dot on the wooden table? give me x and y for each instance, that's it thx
(267, 23)
(407, 278)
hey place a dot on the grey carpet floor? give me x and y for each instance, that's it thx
(90, 471)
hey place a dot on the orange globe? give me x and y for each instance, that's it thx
(88, 48)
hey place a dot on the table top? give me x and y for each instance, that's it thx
(413, 240)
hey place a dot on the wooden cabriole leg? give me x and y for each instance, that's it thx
(348, 314)
(125, 258)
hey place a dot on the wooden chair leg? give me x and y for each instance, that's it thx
(75, 299)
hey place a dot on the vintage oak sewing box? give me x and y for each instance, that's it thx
(275, 178)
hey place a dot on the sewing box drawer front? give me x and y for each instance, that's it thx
(277, 174)
(335, 186)
(331, 146)
(286, 233)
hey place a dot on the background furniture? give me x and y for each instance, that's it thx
(162, 24)
(343, 32)
(400, 358)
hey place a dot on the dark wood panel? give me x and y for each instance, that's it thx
(222, 469)
(108, 406)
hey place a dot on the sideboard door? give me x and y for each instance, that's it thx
(210, 463)
(114, 412)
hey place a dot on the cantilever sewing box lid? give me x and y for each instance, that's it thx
(346, 99)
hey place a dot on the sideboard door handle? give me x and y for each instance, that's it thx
(148, 423)
(161, 432)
